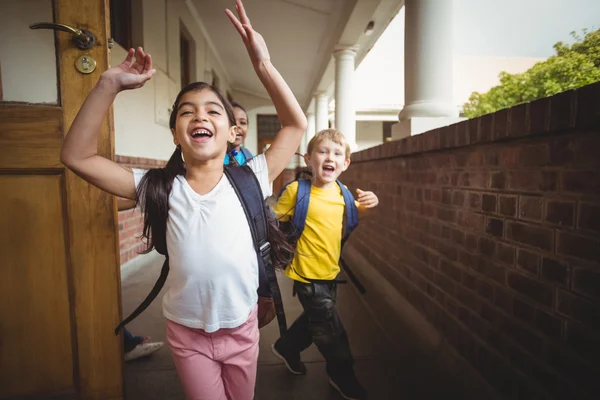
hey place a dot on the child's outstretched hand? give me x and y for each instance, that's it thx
(132, 73)
(255, 44)
(367, 199)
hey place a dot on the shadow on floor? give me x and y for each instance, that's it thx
(388, 369)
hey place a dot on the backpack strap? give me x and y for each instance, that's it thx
(158, 285)
(248, 190)
(301, 207)
(247, 154)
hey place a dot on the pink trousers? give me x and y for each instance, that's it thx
(219, 365)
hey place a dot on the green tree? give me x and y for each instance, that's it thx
(571, 67)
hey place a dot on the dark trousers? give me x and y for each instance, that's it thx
(130, 340)
(320, 324)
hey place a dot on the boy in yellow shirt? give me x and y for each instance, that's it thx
(315, 267)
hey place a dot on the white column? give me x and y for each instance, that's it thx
(345, 114)
(310, 131)
(428, 67)
(321, 111)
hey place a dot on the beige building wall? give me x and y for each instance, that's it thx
(142, 115)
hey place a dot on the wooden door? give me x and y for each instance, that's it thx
(59, 258)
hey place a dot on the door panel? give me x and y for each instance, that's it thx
(35, 312)
(59, 266)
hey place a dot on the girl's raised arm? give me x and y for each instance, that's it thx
(293, 121)
(80, 148)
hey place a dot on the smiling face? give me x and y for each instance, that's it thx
(241, 120)
(202, 126)
(327, 160)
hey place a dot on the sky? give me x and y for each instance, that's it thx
(523, 28)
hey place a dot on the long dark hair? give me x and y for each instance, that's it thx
(155, 187)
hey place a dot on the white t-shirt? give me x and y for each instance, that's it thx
(213, 274)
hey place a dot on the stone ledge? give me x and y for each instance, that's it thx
(574, 109)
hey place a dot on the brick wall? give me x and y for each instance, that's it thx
(130, 221)
(490, 228)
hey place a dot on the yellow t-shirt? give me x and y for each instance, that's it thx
(318, 249)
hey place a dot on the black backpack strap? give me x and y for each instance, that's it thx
(247, 188)
(158, 285)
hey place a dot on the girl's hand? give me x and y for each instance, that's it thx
(367, 199)
(132, 73)
(255, 44)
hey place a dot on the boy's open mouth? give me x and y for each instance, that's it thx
(328, 168)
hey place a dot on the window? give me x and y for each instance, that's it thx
(267, 126)
(120, 22)
(187, 56)
(387, 130)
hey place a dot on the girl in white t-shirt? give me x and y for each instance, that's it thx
(211, 300)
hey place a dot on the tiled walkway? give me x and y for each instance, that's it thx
(389, 369)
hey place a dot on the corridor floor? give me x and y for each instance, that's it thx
(388, 369)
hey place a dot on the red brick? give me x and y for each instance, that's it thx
(471, 221)
(549, 325)
(589, 217)
(560, 213)
(485, 290)
(519, 121)
(450, 270)
(492, 271)
(474, 179)
(534, 155)
(507, 205)
(487, 247)
(475, 201)
(587, 282)
(523, 311)
(486, 123)
(531, 288)
(539, 116)
(581, 182)
(583, 340)
(531, 235)
(555, 271)
(470, 300)
(532, 180)
(505, 253)
(562, 111)
(488, 203)
(500, 124)
(503, 299)
(578, 308)
(588, 114)
(528, 261)
(531, 208)
(458, 198)
(574, 368)
(498, 180)
(582, 247)
(495, 227)
(473, 130)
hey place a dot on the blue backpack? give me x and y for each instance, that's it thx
(295, 226)
(233, 153)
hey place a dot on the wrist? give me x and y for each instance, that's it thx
(263, 65)
(108, 85)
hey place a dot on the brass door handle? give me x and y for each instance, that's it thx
(83, 39)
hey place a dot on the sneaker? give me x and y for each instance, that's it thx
(350, 389)
(294, 364)
(143, 350)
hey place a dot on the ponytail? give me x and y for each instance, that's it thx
(153, 197)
